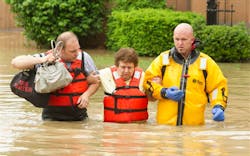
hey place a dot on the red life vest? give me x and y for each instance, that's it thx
(69, 95)
(126, 103)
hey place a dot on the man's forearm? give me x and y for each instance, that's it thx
(27, 61)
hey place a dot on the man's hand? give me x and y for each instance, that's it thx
(93, 78)
(157, 80)
(83, 101)
(218, 113)
(172, 93)
(48, 58)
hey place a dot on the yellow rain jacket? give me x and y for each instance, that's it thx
(198, 76)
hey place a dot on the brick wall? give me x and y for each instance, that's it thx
(241, 7)
(171, 3)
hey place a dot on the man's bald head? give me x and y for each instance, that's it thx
(183, 28)
(66, 36)
(183, 39)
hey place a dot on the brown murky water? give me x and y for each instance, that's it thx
(22, 132)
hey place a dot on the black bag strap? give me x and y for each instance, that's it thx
(83, 68)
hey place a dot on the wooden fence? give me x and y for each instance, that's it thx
(7, 20)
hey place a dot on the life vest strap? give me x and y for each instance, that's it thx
(78, 80)
(125, 96)
(66, 94)
(126, 87)
(117, 111)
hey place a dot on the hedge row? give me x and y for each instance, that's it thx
(225, 43)
(150, 31)
(131, 24)
(133, 4)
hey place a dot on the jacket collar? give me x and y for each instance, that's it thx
(180, 59)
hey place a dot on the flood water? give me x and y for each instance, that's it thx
(22, 132)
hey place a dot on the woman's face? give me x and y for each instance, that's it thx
(126, 70)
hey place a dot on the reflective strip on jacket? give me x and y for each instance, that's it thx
(196, 86)
(127, 103)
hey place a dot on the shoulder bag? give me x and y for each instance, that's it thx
(52, 76)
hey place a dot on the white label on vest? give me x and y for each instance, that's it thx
(137, 74)
(116, 75)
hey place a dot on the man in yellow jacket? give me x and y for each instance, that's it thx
(189, 80)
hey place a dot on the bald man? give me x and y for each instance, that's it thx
(189, 81)
(69, 103)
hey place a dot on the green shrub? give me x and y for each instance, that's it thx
(149, 31)
(43, 20)
(225, 43)
(133, 4)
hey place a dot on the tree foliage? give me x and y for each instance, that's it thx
(43, 20)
